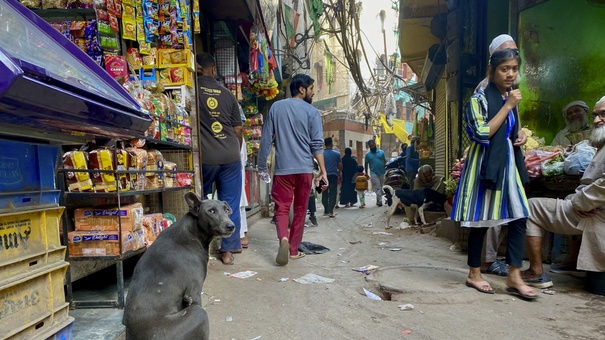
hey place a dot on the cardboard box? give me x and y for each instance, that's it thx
(108, 218)
(104, 243)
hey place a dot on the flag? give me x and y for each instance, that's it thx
(316, 10)
(399, 130)
(288, 21)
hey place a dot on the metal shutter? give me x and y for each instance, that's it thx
(440, 128)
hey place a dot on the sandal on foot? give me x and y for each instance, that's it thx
(496, 268)
(479, 288)
(300, 255)
(517, 292)
(541, 281)
(282, 252)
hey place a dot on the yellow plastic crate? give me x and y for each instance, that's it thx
(32, 262)
(28, 235)
(31, 304)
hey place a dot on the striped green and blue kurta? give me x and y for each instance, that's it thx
(474, 202)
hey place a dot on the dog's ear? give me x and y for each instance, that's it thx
(194, 203)
(228, 209)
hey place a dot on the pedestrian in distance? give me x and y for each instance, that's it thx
(361, 185)
(299, 140)
(375, 161)
(412, 160)
(333, 168)
(348, 196)
(490, 191)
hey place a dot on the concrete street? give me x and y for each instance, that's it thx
(414, 268)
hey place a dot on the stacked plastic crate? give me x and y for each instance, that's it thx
(32, 259)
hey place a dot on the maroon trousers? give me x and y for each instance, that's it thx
(285, 189)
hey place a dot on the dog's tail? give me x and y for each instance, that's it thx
(388, 192)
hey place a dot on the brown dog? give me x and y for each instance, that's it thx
(165, 295)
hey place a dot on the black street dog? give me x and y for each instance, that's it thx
(420, 198)
(165, 295)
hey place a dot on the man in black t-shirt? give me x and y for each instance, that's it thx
(221, 136)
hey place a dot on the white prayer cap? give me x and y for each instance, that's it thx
(575, 103)
(499, 40)
(602, 100)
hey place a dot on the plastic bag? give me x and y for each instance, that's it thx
(553, 166)
(579, 159)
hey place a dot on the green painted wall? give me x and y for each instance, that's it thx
(562, 47)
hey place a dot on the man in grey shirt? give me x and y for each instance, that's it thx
(296, 128)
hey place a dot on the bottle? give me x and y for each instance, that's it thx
(264, 175)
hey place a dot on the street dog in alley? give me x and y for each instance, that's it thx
(417, 200)
(165, 295)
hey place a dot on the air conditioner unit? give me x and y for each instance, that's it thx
(433, 67)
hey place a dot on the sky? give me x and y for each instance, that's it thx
(370, 24)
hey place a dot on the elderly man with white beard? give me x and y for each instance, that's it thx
(581, 213)
(576, 114)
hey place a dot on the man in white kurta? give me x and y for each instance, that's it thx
(581, 213)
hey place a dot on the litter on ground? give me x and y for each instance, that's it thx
(243, 274)
(313, 278)
(371, 295)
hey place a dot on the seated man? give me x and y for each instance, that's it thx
(581, 213)
(576, 118)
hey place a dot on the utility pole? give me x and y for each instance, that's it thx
(383, 17)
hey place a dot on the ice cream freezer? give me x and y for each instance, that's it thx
(49, 87)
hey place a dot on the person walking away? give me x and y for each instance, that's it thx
(412, 160)
(491, 190)
(300, 138)
(333, 168)
(221, 136)
(348, 196)
(361, 185)
(375, 160)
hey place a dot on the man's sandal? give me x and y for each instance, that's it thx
(300, 255)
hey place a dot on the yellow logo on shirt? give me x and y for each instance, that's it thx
(216, 127)
(212, 103)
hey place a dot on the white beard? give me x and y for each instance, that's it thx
(597, 137)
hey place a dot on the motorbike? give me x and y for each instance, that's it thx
(395, 175)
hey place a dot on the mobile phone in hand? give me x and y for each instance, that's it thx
(319, 187)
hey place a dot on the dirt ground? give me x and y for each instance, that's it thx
(414, 268)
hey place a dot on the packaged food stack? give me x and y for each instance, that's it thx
(170, 174)
(155, 164)
(152, 224)
(121, 163)
(97, 230)
(139, 163)
(102, 159)
(77, 181)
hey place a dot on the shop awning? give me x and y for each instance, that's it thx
(231, 10)
(415, 35)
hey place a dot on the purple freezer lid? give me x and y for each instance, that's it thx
(46, 81)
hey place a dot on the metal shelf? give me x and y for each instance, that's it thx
(173, 145)
(64, 14)
(122, 257)
(124, 193)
